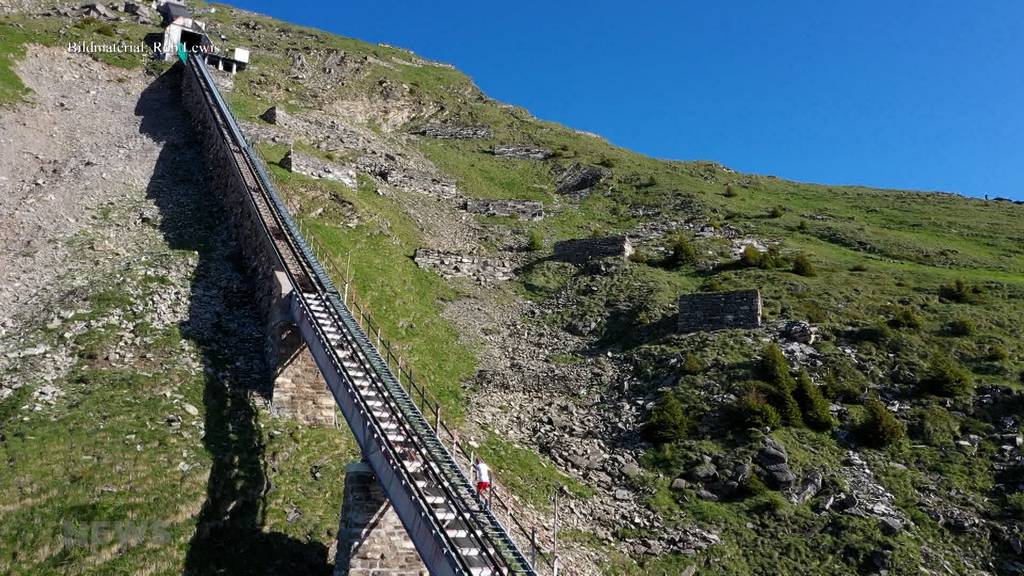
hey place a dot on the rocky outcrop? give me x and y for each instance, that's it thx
(522, 209)
(522, 152)
(772, 458)
(453, 265)
(582, 250)
(719, 311)
(454, 132)
(275, 115)
(313, 167)
(579, 178)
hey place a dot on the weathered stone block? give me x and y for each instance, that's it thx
(719, 311)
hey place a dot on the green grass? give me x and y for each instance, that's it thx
(405, 300)
(526, 474)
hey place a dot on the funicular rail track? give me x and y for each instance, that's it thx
(452, 528)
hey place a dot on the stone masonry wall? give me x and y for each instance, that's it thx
(371, 538)
(453, 265)
(522, 209)
(582, 250)
(303, 391)
(719, 311)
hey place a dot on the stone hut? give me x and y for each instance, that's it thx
(581, 250)
(719, 311)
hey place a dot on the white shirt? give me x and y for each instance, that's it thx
(483, 472)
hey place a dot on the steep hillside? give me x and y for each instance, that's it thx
(871, 424)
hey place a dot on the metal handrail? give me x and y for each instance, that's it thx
(364, 356)
(432, 405)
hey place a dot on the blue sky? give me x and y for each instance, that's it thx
(918, 94)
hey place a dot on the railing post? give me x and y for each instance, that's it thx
(554, 531)
(533, 546)
(437, 422)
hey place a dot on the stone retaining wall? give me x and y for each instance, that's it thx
(582, 250)
(300, 381)
(522, 209)
(454, 265)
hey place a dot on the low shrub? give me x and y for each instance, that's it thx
(997, 353)
(813, 405)
(959, 291)
(906, 317)
(774, 367)
(935, 426)
(752, 410)
(843, 382)
(802, 226)
(961, 327)
(640, 256)
(751, 257)
(776, 212)
(802, 266)
(730, 192)
(1015, 505)
(880, 427)
(946, 377)
(876, 334)
(692, 364)
(682, 252)
(535, 241)
(667, 422)
(859, 268)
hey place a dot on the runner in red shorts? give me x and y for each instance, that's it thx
(483, 477)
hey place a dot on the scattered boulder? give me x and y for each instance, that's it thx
(97, 10)
(275, 115)
(706, 472)
(580, 177)
(798, 331)
(809, 489)
(522, 152)
(890, 526)
(772, 458)
(631, 470)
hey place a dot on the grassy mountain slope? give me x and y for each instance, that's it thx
(916, 298)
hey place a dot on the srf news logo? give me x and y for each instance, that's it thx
(100, 534)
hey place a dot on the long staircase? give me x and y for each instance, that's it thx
(455, 532)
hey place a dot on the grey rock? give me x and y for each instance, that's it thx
(799, 331)
(679, 484)
(578, 177)
(622, 494)
(707, 495)
(631, 471)
(275, 115)
(704, 473)
(891, 526)
(810, 487)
